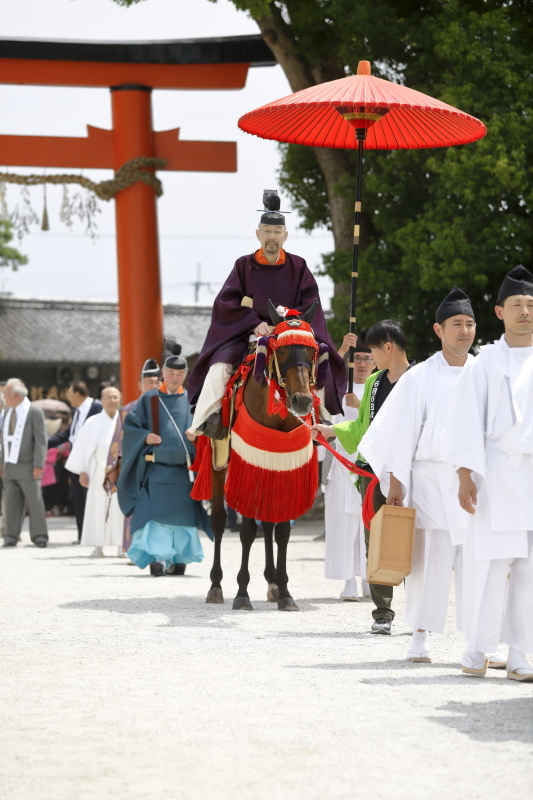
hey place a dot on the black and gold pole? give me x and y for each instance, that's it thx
(361, 118)
(361, 136)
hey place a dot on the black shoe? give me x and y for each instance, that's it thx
(381, 625)
(157, 569)
(40, 542)
(76, 542)
(9, 543)
(176, 569)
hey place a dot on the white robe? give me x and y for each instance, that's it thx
(345, 541)
(490, 431)
(406, 439)
(103, 522)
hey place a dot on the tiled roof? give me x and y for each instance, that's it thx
(85, 332)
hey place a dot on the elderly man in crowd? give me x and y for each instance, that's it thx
(24, 445)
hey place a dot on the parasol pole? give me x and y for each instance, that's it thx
(361, 136)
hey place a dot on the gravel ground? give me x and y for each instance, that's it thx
(118, 685)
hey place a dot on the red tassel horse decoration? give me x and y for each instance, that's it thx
(272, 473)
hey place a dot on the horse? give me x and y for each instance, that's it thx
(278, 402)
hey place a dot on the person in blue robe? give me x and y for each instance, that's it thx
(154, 484)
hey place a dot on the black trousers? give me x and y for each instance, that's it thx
(79, 498)
(381, 595)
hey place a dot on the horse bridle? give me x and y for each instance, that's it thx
(298, 357)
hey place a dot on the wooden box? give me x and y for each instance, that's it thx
(390, 548)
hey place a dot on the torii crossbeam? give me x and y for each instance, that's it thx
(130, 70)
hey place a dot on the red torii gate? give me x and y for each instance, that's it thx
(131, 70)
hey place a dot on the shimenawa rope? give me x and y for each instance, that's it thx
(129, 173)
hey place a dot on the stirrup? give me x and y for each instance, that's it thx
(213, 426)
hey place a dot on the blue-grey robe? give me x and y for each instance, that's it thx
(158, 490)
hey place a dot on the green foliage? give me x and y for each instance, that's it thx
(9, 256)
(443, 216)
(128, 3)
(303, 181)
(431, 217)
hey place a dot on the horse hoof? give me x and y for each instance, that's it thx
(214, 595)
(242, 604)
(287, 604)
(272, 593)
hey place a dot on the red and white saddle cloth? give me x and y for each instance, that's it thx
(272, 476)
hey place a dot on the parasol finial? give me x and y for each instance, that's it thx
(364, 68)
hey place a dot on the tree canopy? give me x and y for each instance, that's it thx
(443, 216)
(431, 218)
(9, 256)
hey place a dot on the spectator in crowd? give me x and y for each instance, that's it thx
(103, 521)
(84, 407)
(22, 462)
(2, 498)
(59, 493)
(101, 386)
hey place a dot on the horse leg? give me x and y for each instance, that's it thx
(248, 534)
(270, 568)
(218, 524)
(285, 601)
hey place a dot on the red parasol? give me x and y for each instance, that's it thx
(366, 113)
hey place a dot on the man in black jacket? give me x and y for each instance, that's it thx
(83, 408)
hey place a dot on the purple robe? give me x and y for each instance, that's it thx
(290, 284)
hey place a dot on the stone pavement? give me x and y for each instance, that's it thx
(122, 686)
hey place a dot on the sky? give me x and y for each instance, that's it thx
(205, 219)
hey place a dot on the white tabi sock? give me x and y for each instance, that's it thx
(517, 662)
(350, 589)
(495, 660)
(474, 660)
(419, 648)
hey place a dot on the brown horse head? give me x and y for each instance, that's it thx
(296, 360)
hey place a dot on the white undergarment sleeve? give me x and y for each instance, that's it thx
(210, 399)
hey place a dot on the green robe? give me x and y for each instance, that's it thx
(351, 432)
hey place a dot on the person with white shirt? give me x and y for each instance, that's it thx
(345, 537)
(488, 440)
(103, 521)
(403, 448)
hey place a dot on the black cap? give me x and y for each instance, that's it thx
(175, 360)
(518, 281)
(150, 369)
(361, 346)
(455, 302)
(272, 218)
(272, 204)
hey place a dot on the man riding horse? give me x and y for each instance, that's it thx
(240, 315)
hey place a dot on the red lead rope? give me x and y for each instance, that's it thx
(368, 501)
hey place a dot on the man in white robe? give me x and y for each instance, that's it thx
(402, 447)
(489, 439)
(345, 542)
(103, 522)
